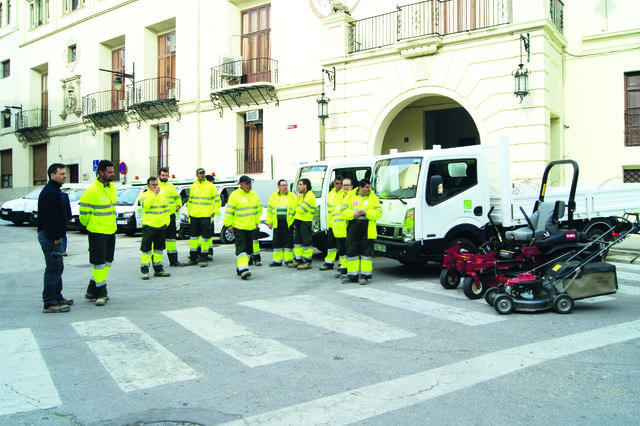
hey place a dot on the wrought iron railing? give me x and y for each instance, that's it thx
(244, 71)
(431, 17)
(556, 10)
(33, 118)
(250, 160)
(153, 89)
(100, 102)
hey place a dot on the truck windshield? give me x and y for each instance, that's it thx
(397, 177)
(315, 174)
(127, 196)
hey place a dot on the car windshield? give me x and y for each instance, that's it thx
(74, 194)
(33, 195)
(315, 174)
(397, 177)
(127, 196)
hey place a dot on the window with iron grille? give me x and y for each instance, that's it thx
(631, 175)
(632, 109)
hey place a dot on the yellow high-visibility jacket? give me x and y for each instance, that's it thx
(204, 200)
(243, 210)
(332, 196)
(340, 223)
(371, 204)
(171, 194)
(98, 208)
(155, 209)
(306, 206)
(285, 204)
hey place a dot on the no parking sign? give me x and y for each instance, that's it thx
(122, 168)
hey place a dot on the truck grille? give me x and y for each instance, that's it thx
(391, 232)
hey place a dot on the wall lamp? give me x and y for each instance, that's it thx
(6, 112)
(121, 75)
(323, 101)
(521, 74)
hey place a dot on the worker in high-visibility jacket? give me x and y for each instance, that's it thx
(204, 202)
(242, 216)
(175, 202)
(280, 212)
(302, 220)
(340, 226)
(332, 248)
(98, 215)
(155, 219)
(363, 209)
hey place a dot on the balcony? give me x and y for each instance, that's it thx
(104, 109)
(250, 160)
(154, 98)
(33, 125)
(244, 82)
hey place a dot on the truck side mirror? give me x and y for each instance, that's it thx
(435, 186)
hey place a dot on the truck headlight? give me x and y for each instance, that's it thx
(408, 227)
(127, 215)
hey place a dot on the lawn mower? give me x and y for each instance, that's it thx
(581, 276)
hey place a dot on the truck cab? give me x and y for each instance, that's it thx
(430, 200)
(322, 175)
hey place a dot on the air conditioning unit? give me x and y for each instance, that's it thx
(230, 66)
(163, 128)
(121, 104)
(172, 93)
(254, 116)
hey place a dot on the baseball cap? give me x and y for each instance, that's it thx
(200, 170)
(245, 179)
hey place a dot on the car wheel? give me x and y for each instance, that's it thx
(227, 237)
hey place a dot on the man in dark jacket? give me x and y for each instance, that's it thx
(52, 223)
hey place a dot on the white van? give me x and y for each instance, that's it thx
(322, 174)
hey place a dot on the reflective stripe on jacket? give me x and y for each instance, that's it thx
(287, 201)
(98, 208)
(332, 196)
(155, 209)
(204, 200)
(306, 206)
(371, 204)
(243, 210)
(171, 194)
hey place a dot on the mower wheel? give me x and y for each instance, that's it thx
(449, 280)
(471, 290)
(563, 304)
(490, 295)
(503, 304)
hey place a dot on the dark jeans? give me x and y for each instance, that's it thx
(54, 266)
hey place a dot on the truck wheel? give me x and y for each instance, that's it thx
(449, 280)
(490, 295)
(471, 290)
(563, 304)
(503, 304)
(467, 244)
(226, 237)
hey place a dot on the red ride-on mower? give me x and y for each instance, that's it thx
(565, 281)
(501, 259)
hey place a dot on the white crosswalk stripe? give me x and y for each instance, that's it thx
(233, 338)
(360, 404)
(314, 311)
(438, 310)
(134, 359)
(26, 383)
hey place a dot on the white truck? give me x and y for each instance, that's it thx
(322, 174)
(435, 198)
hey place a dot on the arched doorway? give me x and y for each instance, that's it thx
(420, 122)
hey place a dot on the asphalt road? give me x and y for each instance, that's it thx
(297, 347)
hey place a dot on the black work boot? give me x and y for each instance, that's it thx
(102, 295)
(144, 272)
(92, 291)
(173, 259)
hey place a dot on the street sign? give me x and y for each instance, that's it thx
(123, 168)
(95, 165)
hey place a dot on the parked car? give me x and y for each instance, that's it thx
(19, 210)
